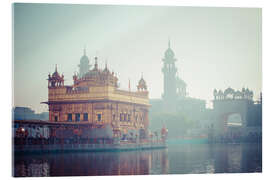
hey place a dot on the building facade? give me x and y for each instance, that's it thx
(95, 98)
(26, 113)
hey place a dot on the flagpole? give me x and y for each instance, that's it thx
(129, 90)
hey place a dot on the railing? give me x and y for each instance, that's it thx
(77, 91)
(127, 93)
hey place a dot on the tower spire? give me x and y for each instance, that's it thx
(55, 67)
(169, 43)
(84, 51)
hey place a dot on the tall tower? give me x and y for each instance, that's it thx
(169, 70)
(84, 64)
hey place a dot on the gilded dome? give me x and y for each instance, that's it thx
(55, 74)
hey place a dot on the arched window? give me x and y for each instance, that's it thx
(69, 118)
(77, 117)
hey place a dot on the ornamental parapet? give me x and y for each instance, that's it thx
(230, 93)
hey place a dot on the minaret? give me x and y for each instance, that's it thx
(84, 64)
(169, 70)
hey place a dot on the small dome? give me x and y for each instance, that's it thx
(55, 74)
(142, 82)
(220, 92)
(106, 70)
(180, 81)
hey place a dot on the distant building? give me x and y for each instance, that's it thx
(236, 102)
(26, 113)
(175, 98)
(95, 98)
(84, 65)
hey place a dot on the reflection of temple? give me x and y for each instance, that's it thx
(93, 164)
(237, 158)
(95, 98)
(31, 167)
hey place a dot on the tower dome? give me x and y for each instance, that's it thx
(169, 52)
(84, 58)
(84, 64)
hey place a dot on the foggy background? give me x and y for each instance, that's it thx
(215, 47)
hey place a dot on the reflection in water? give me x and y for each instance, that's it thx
(177, 159)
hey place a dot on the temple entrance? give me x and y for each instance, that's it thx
(229, 124)
(234, 119)
(234, 125)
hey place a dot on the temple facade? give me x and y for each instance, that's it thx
(95, 98)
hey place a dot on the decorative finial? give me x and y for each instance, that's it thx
(142, 75)
(96, 64)
(55, 67)
(106, 62)
(84, 51)
(169, 43)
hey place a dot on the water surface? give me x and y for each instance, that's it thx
(177, 159)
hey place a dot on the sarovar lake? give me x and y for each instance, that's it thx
(176, 159)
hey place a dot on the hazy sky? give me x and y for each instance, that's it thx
(214, 47)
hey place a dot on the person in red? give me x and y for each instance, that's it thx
(164, 133)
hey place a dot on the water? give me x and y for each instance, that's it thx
(177, 159)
